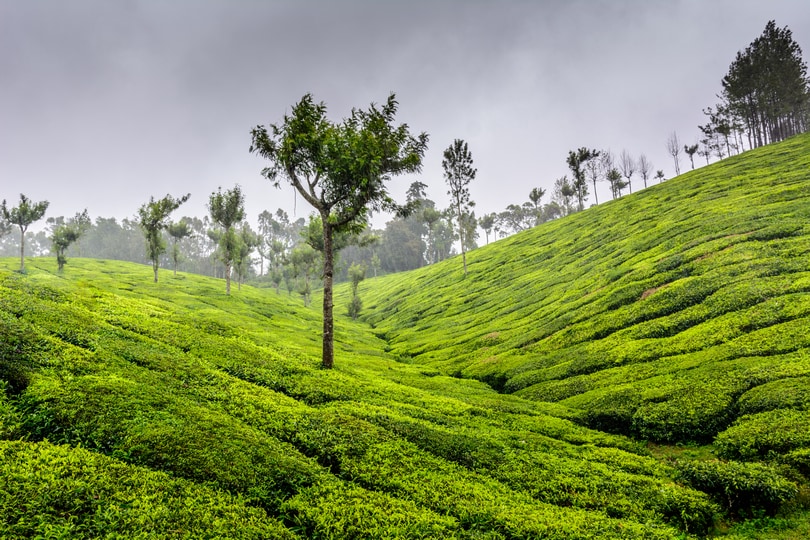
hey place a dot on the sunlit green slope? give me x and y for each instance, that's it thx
(674, 314)
(140, 410)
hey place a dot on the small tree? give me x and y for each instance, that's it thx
(576, 162)
(153, 218)
(644, 168)
(23, 215)
(593, 168)
(341, 169)
(690, 151)
(563, 195)
(65, 233)
(487, 222)
(227, 209)
(357, 273)
(659, 175)
(459, 172)
(614, 178)
(628, 167)
(178, 230)
(248, 242)
(674, 149)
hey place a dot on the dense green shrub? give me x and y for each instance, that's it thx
(49, 491)
(742, 488)
(790, 393)
(765, 435)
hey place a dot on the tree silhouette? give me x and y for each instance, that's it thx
(674, 149)
(690, 151)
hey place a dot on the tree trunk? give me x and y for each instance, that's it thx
(155, 268)
(328, 269)
(22, 249)
(228, 279)
(461, 237)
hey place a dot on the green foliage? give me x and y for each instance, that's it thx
(341, 169)
(655, 326)
(153, 217)
(766, 435)
(22, 215)
(227, 209)
(742, 488)
(49, 491)
(65, 233)
(227, 396)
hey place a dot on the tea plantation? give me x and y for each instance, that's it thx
(637, 370)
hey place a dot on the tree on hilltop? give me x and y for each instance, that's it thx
(576, 162)
(674, 149)
(627, 165)
(153, 217)
(690, 151)
(341, 169)
(66, 232)
(644, 168)
(23, 215)
(459, 172)
(227, 209)
(767, 89)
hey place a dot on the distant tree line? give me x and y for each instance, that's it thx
(765, 98)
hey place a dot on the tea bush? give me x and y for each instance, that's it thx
(742, 488)
(49, 491)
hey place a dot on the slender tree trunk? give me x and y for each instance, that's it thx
(22, 249)
(155, 269)
(461, 237)
(328, 269)
(228, 278)
(595, 196)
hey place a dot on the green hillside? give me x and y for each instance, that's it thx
(140, 410)
(668, 315)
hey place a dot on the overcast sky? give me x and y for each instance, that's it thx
(106, 102)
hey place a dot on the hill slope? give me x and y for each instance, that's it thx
(170, 410)
(679, 313)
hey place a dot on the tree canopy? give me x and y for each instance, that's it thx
(153, 218)
(227, 209)
(23, 215)
(766, 91)
(66, 232)
(341, 169)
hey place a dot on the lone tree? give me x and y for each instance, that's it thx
(690, 151)
(227, 209)
(644, 168)
(153, 218)
(341, 169)
(178, 230)
(674, 149)
(628, 167)
(459, 172)
(65, 233)
(23, 215)
(576, 162)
